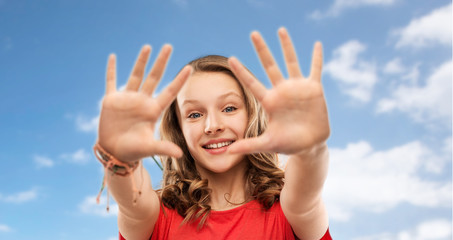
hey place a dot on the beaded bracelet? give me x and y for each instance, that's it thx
(115, 167)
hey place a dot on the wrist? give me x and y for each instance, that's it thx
(113, 164)
(313, 152)
(116, 167)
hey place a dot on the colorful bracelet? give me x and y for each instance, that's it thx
(113, 166)
(111, 163)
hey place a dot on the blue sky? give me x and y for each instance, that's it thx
(387, 76)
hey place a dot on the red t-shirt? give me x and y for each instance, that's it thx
(249, 221)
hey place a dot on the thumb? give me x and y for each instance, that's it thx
(165, 148)
(249, 145)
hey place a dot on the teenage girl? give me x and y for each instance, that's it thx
(220, 132)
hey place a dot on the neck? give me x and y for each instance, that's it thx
(228, 188)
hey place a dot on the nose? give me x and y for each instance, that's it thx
(213, 124)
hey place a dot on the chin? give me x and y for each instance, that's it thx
(221, 165)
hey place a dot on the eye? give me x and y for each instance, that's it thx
(194, 115)
(229, 109)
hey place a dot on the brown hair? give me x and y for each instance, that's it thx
(182, 187)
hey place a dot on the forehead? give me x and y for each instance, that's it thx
(207, 85)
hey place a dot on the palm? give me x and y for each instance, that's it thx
(296, 108)
(124, 124)
(128, 118)
(297, 116)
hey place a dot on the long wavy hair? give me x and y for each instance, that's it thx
(182, 187)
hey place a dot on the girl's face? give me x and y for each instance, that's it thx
(212, 115)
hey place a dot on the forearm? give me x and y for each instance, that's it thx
(301, 197)
(138, 204)
(138, 210)
(305, 175)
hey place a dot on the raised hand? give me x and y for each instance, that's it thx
(128, 118)
(296, 107)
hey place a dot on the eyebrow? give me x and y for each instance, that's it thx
(231, 93)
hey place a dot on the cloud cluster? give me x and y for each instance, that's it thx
(423, 103)
(341, 5)
(429, 102)
(435, 229)
(355, 76)
(395, 66)
(87, 124)
(5, 228)
(78, 157)
(89, 206)
(363, 179)
(43, 162)
(431, 29)
(19, 197)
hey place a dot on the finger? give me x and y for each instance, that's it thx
(247, 79)
(249, 145)
(157, 70)
(316, 62)
(139, 69)
(165, 148)
(292, 64)
(169, 93)
(266, 58)
(111, 75)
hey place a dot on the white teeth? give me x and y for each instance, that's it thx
(218, 145)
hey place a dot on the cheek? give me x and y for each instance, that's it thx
(191, 134)
(241, 124)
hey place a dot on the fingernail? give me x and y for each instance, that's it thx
(254, 35)
(146, 48)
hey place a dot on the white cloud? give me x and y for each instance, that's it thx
(398, 70)
(43, 162)
(356, 77)
(412, 75)
(121, 88)
(89, 206)
(340, 5)
(448, 146)
(90, 124)
(20, 197)
(5, 228)
(79, 157)
(362, 179)
(427, 103)
(87, 124)
(436, 229)
(394, 67)
(433, 28)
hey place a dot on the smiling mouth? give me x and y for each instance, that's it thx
(217, 145)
